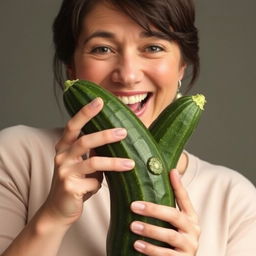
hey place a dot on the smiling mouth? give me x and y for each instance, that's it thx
(137, 103)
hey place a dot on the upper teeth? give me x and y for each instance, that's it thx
(132, 99)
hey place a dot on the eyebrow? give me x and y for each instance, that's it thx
(101, 34)
(143, 34)
(154, 33)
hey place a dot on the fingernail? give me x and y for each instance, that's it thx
(137, 206)
(95, 103)
(128, 163)
(119, 132)
(137, 227)
(139, 245)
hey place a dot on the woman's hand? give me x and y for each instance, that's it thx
(184, 240)
(75, 179)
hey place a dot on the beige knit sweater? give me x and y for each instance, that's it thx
(224, 200)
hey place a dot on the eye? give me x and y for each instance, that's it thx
(101, 50)
(154, 48)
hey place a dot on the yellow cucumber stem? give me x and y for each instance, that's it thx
(200, 100)
(69, 83)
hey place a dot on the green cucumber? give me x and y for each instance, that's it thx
(149, 180)
(174, 126)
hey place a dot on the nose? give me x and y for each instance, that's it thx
(128, 71)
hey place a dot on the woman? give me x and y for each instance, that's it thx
(56, 201)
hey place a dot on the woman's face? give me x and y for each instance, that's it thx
(141, 69)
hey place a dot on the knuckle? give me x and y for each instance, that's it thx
(107, 135)
(79, 195)
(69, 126)
(58, 159)
(176, 214)
(194, 245)
(96, 186)
(92, 162)
(197, 229)
(194, 219)
(83, 142)
(85, 111)
(168, 252)
(116, 164)
(172, 236)
(67, 185)
(150, 207)
(62, 174)
(155, 250)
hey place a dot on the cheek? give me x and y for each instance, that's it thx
(89, 69)
(166, 73)
(84, 70)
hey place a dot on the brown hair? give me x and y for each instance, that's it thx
(174, 18)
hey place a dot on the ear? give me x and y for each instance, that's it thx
(183, 67)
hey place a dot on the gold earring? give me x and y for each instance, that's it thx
(178, 94)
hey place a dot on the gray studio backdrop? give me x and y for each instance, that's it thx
(226, 134)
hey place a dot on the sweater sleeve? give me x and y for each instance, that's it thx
(242, 211)
(14, 185)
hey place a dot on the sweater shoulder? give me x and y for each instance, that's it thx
(27, 135)
(232, 188)
(25, 153)
(223, 174)
(23, 146)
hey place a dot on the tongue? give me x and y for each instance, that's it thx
(134, 107)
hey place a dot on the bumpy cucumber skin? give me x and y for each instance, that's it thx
(125, 187)
(174, 126)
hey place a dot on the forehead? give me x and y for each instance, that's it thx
(104, 14)
(106, 21)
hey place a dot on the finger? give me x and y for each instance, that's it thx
(108, 164)
(97, 163)
(181, 194)
(93, 140)
(169, 236)
(164, 213)
(153, 250)
(75, 124)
